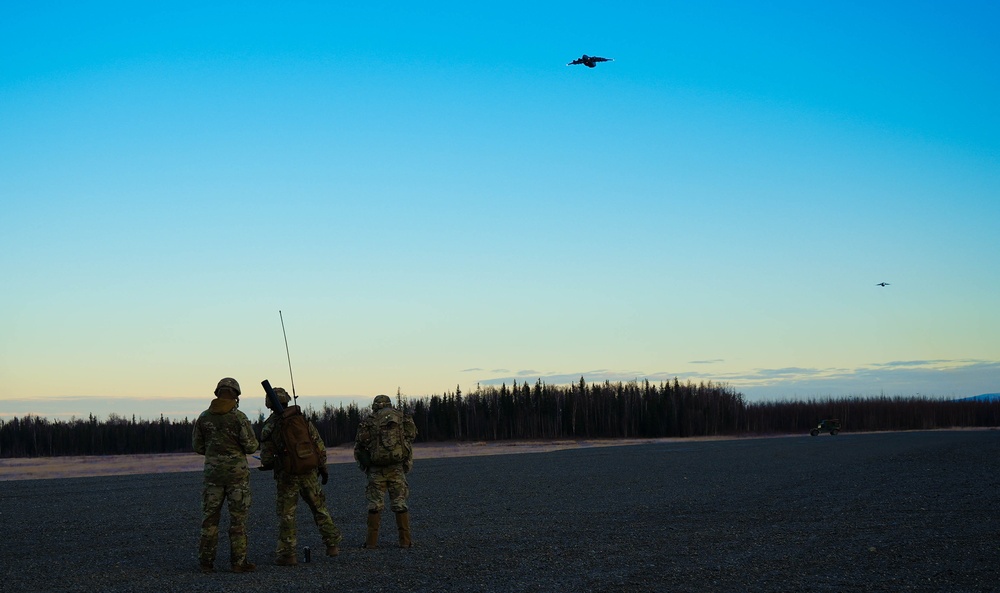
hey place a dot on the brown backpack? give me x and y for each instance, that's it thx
(300, 455)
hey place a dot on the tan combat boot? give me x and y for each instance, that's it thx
(332, 550)
(286, 561)
(403, 523)
(371, 542)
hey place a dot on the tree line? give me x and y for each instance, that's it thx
(532, 412)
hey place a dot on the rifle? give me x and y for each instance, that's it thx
(272, 397)
(278, 409)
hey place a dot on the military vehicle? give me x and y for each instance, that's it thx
(831, 426)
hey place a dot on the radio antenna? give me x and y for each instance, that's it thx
(290, 376)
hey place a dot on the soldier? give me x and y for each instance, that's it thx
(224, 436)
(290, 486)
(384, 451)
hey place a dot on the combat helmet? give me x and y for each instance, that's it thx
(381, 401)
(228, 383)
(283, 397)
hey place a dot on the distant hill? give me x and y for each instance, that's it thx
(986, 397)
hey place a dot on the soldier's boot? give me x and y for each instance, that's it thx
(244, 566)
(374, 518)
(286, 561)
(332, 550)
(238, 550)
(403, 524)
(206, 554)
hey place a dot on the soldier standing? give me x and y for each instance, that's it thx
(224, 436)
(384, 451)
(290, 486)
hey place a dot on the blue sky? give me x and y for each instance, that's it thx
(433, 199)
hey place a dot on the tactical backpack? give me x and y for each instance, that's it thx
(388, 444)
(300, 455)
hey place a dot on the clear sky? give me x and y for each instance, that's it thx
(433, 199)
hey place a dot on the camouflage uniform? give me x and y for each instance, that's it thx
(224, 436)
(391, 479)
(385, 478)
(290, 487)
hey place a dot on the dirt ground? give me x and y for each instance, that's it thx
(867, 513)
(39, 468)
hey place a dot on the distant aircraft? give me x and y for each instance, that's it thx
(882, 284)
(589, 61)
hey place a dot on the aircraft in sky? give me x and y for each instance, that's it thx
(589, 61)
(882, 284)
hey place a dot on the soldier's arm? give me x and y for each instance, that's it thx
(248, 440)
(361, 438)
(360, 452)
(409, 429)
(198, 440)
(320, 445)
(267, 446)
(364, 433)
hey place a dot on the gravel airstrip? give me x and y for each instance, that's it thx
(913, 511)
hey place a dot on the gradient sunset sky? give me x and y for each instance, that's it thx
(433, 199)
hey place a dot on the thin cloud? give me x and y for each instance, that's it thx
(933, 378)
(788, 372)
(911, 363)
(711, 361)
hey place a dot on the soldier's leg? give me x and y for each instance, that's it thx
(312, 493)
(399, 491)
(403, 526)
(374, 493)
(212, 498)
(286, 501)
(239, 509)
(375, 490)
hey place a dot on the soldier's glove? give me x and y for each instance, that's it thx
(324, 475)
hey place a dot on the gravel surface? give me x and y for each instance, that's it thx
(911, 511)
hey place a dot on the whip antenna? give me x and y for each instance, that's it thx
(290, 376)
